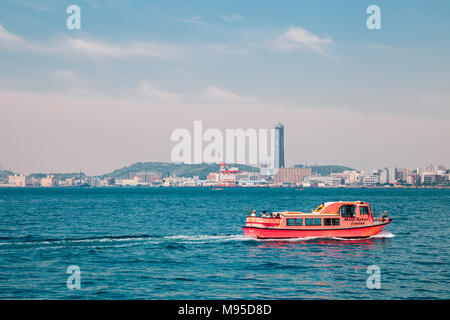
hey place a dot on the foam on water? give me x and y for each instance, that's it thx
(215, 238)
(128, 239)
(384, 234)
(190, 239)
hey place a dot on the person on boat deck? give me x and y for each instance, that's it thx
(254, 213)
(264, 214)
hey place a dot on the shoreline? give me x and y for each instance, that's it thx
(225, 187)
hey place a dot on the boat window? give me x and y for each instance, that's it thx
(319, 208)
(317, 221)
(364, 210)
(335, 221)
(347, 210)
(290, 222)
(298, 222)
(327, 221)
(308, 222)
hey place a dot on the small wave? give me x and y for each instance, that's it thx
(209, 238)
(384, 234)
(175, 240)
(73, 241)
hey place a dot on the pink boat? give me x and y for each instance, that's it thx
(343, 219)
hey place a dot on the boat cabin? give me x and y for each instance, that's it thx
(327, 215)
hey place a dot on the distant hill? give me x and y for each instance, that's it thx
(61, 176)
(170, 168)
(4, 175)
(325, 170)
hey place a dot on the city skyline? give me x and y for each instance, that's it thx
(172, 175)
(110, 94)
(429, 169)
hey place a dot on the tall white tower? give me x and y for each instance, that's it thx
(279, 147)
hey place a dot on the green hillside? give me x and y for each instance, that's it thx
(61, 176)
(169, 168)
(4, 175)
(325, 170)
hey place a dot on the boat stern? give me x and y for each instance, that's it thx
(250, 232)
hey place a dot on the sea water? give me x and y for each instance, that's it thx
(187, 243)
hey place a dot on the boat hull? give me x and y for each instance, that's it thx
(278, 233)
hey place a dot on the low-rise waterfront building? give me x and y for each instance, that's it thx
(213, 177)
(49, 181)
(333, 181)
(18, 180)
(370, 180)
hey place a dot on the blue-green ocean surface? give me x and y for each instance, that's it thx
(187, 243)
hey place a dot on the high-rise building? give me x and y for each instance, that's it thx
(279, 147)
(388, 176)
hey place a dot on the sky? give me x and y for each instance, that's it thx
(111, 93)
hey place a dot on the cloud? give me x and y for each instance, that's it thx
(226, 49)
(105, 49)
(211, 95)
(93, 48)
(193, 20)
(67, 76)
(13, 42)
(34, 6)
(297, 38)
(88, 47)
(216, 94)
(148, 89)
(93, 3)
(232, 18)
(9, 39)
(383, 47)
